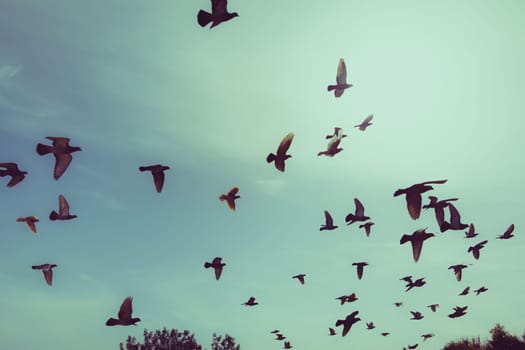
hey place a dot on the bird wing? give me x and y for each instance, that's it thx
(509, 231)
(285, 144)
(417, 246)
(233, 191)
(48, 275)
(367, 119)
(9, 166)
(158, 179)
(31, 225)
(454, 214)
(125, 311)
(328, 219)
(413, 204)
(457, 272)
(341, 72)
(360, 271)
(434, 182)
(59, 141)
(15, 179)
(62, 161)
(218, 271)
(216, 261)
(63, 205)
(219, 6)
(359, 209)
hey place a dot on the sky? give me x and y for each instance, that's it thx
(137, 83)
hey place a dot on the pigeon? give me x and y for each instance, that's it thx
(217, 265)
(365, 123)
(287, 345)
(332, 149)
(384, 334)
(412, 347)
(439, 207)
(458, 311)
(280, 336)
(281, 155)
(360, 266)
(508, 233)
(348, 322)
(275, 331)
(413, 196)
(300, 277)
(30, 222)
(11, 169)
(63, 210)
(475, 249)
(337, 134)
(367, 226)
(420, 282)
(359, 214)
(433, 307)
(347, 298)
(416, 239)
(455, 220)
(62, 152)
(480, 290)
(398, 304)
(332, 331)
(157, 171)
(416, 315)
(219, 14)
(230, 197)
(341, 85)
(250, 302)
(427, 336)
(124, 315)
(465, 291)
(370, 325)
(457, 270)
(47, 270)
(329, 222)
(471, 233)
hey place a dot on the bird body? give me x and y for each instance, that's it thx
(365, 123)
(508, 233)
(300, 277)
(62, 152)
(332, 148)
(471, 233)
(455, 220)
(360, 266)
(63, 210)
(47, 270)
(416, 239)
(416, 315)
(457, 270)
(30, 222)
(348, 322)
(230, 197)
(280, 156)
(458, 311)
(341, 85)
(124, 315)
(476, 248)
(157, 171)
(219, 14)
(11, 169)
(329, 222)
(433, 307)
(217, 265)
(358, 215)
(250, 302)
(413, 196)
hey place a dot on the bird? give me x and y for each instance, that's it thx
(348, 322)
(157, 171)
(360, 266)
(416, 315)
(217, 265)
(47, 270)
(365, 123)
(287, 345)
(124, 315)
(458, 311)
(230, 197)
(398, 304)
(280, 336)
(416, 239)
(331, 331)
(332, 149)
(275, 331)
(347, 298)
(508, 233)
(340, 79)
(439, 207)
(11, 169)
(476, 248)
(328, 222)
(63, 210)
(420, 282)
(370, 325)
(427, 336)
(367, 226)
(358, 215)
(433, 307)
(413, 196)
(337, 134)
(62, 152)
(30, 222)
(219, 14)
(457, 270)
(250, 302)
(465, 291)
(481, 290)
(280, 156)
(384, 334)
(412, 347)
(300, 277)
(455, 220)
(471, 233)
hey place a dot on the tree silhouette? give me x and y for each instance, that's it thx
(500, 340)
(226, 343)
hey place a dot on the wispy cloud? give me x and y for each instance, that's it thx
(8, 71)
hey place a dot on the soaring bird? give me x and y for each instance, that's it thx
(217, 265)
(157, 171)
(219, 14)
(370, 325)
(30, 222)
(47, 269)
(328, 222)
(439, 207)
(287, 345)
(416, 315)
(338, 134)
(471, 233)
(416, 239)
(420, 282)
(332, 149)
(384, 334)
(433, 307)
(412, 347)
(300, 277)
(341, 85)
(11, 169)
(348, 322)
(413, 196)
(476, 248)
(280, 156)
(458, 311)
(367, 226)
(250, 302)
(398, 304)
(465, 291)
(360, 266)
(480, 290)
(455, 220)
(280, 336)
(427, 336)
(347, 298)
(63, 210)
(358, 215)
(457, 270)
(365, 123)
(508, 233)
(62, 152)
(124, 315)
(230, 197)
(331, 331)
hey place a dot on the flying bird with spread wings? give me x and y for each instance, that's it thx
(11, 169)
(124, 315)
(416, 239)
(413, 196)
(230, 197)
(217, 265)
(63, 210)
(157, 171)
(340, 79)
(329, 222)
(62, 152)
(280, 156)
(219, 13)
(365, 123)
(30, 222)
(47, 270)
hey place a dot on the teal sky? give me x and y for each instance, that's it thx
(137, 83)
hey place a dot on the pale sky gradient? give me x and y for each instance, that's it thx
(137, 83)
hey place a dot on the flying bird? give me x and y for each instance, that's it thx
(416, 239)
(63, 210)
(329, 222)
(475, 249)
(458, 311)
(384, 334)
(280, 336)
(455, 220)
(439, 207)
(365, 123)
(287, 345)
(481, 290)
(250, 302)
(280, 156)
(219, 14)
(124, 315)
(471, 233)
(62, 152)
(412, 347)
(348, 322)
(433, 307)
(341, 85)
(416, 315)
(275, 331)
(398, 304)
(358, 215)
(11, 169)
(413, 196)
(332, 149)
(367, 226)
(47, 270)
(217, 265)
(300, 277)
(457, 270)
(508, 233)
(360, 266)
(420, 282)
(337, 134)
(465, 291)
(30, 222)
(370, 325)
(230, 197)
(347, 298)
(157, 171)
(427, 336)
(332, 331)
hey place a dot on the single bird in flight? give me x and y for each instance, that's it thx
(348, 322)
(329, 222)
(358, 215)
(416, 239)
(365, 123)
(11, 169)
(280, 156)
(476, 248)
(219, 13)
(250, 302)
(217, 265)
(63, 210)
(124, 315)
(508, 233)
(30, 222)
(300, 277)
(157, 171)
(230, 197)
(47, 270)
(62, 152)
(340, 79)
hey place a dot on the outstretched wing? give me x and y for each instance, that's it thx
(125, 309)
(63, 205)
(62, 161)
(218, 7)
(434, 182)
(328, 219)
(48, 275)
(359, 209)
(367, 119)
(341, 72)
(285, 144)
(158, 179)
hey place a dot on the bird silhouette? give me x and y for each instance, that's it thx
(300, 277)
(465, 291)
(427, 336)
(347, 298)
(217, 265)
(358, 215)
(412, 347)
(280, 336)
(331, 331)
(398, 304)
(420, 282)
(458, 311)
(275, 331)
(230, 197)
(332, 149)
(455, 220)
(340, 79)
(219, 14)
(329, 222)
(476, 248)
(433, 307)
(157, 171)
(348, 322)
(370, 325)
(457, 270)
(367, 226)
(416, 239)
(413, 196)
(63, 210)
(508, 233)
(471, 233)
(47, 270)
(384, 334)
(11, 169)
(62, 152)
(480, 290)
(365, 123)
(337, 134)
(416, 315)
(439, 207)
(124, 315)
(287, 345)
(250, 302)
(360, 266)
(30, 222)
(280, 156)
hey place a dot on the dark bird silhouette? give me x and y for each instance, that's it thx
(300, 277)
(358, 215)
(124, 315)
(281, 155)
(439, 207)
(250, 302)
(433, 307)
(360, 266)
(480, 290)
(384, 334)
(47, 270)
(219, 14)
(217, 265)
(455, 220)
(458, 311)
(413, 196)
(341, 85)
(337, 134)
(328, 222)
(427, 336)
(157, 171)
(471, 233)
(398, 304)
(62, 152)
(367, 226)
(508, 233)
(420, 282)
(416, 239)
(332, 149)
(370, 325)
(230, 197)
(332, 331)
(465, 291)
(348, 322)
(347, 298)
(365, 123)
(11, 169)
(30, 222)
(275, 331)
(280, 336)
(63, 210)
(457, 270)
(475, 249)
(416, 315)
(287, 345)
(412, 347)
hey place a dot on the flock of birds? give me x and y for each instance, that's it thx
(62, 151)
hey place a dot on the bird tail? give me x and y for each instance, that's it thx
(43, 149)
(53, 215)
(331, 87)
(207, 265)
(270, 158)
(203, 18)
(112, 322)
(222, 198)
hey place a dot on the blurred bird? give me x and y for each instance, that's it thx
(365, 123)
(332, 331)
(458, 311)
(11, 169)
(230, 197)
(384, 334)
(367, 226)
(420, 282)
(63, 210)
(62, 152)
(332, 149)
(124, 315)
(217, 265)
(341, 85)
(412, 347)
(329, 222)
(275, 331)
(427, 336)
(348, 322)
(455, 220)
(416, 315)
(157, 171)
(30, 222)
(347, 298)
(370, 325)
(219, 14)
(250, 302)
(416, 239)
(475, 249)
(300, 277)
(439, 207)
(360, 266)
(465, 291)
(433, 307)
(280, 336)
(398, 304)
(508, 233)
(457, 270)
(47, 270)
(480, 290)
(337, 134)
(287, 345)
(471, 233)
(281, 155)
(413, 196)
(359, 214)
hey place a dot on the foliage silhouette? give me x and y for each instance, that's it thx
(500, 340)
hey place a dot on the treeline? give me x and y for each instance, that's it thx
(500, 340)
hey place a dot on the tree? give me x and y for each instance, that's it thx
(226, 343)
(502, 340)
